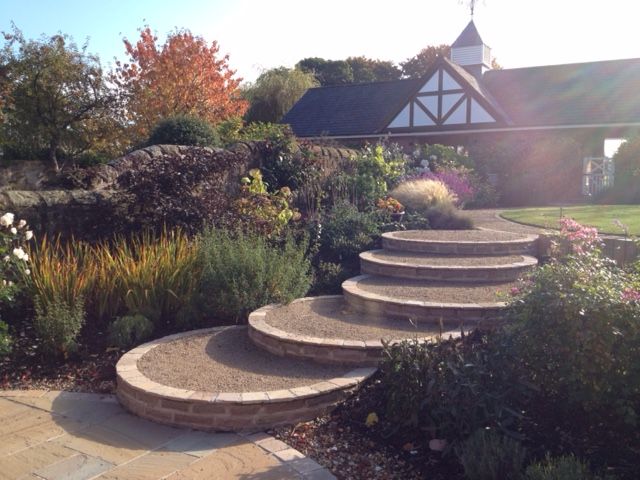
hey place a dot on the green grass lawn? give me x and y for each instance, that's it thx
(599, 216)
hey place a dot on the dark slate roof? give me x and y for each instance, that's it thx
(469, 37)
(573, 94)
(356, 109)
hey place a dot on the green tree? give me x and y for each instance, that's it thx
(57, 98)
(327, 72)
(369, 70)
(417, 66)
(275, 91)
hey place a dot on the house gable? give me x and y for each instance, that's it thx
(446, 97)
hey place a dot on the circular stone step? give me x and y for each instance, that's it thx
(463, 268)
(216, 379)
(449, 303)
(325, 329)
(459, 242)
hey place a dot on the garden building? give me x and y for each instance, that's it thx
(461, 100)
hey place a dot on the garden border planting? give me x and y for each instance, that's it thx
(225, 411)
(322, 350)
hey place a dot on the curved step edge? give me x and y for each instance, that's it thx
(481, 315)
(321, 350)
(225, 411)
(472, 273)
(520, 246)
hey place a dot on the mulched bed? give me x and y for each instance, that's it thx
(445, 260)
(458, 235)
(332, 318)
(342, 442)
(91, 369)
(439, 292)
(229, 362)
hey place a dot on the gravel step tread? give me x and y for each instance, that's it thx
(426, 260)
(458, 235)
(227, 361)
(332, 318)
(437, 292)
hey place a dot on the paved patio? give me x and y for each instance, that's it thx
(76, 436)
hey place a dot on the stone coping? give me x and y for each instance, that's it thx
(225, 411)
(527, 261)
(523, 244)
(322, 350)
(519, 237)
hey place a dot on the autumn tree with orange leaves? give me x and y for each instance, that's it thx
(185, 76)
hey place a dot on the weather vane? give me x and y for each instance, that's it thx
(471, 4)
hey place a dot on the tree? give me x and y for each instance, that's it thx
(417, 66)
(56, 96)
(185, 76)
(327, 72)
(275, 91)
(368, 70)
(352, 70)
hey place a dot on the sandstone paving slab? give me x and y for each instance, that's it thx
(151, 466)
(151, 435)
(67, 402)
(34, 458)
(78, 467)
(234, 462)
(200, 444)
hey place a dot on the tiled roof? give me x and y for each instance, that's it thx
(469, 37)
(573, 94)
(355, 109)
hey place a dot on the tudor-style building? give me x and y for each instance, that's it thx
(461, 99)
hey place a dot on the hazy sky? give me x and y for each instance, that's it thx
(264, 34)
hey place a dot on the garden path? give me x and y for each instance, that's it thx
(61, 435)
(490, 218)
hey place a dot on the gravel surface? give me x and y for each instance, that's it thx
(445, 260)
(227, 361)
(457, 235)
(332, 318)
(488, 218)
(441, 292)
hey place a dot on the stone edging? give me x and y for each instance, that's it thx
(322, 350)
(523, 245)
(225, 411)
(482, 315)
(466, 273)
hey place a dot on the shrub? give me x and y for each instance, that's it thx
(449, 389)
(422, 194)
(184, 130)
(328, 278)
(128, 331)
(260, 211)
(567, 467)
(5, 339)
(458, 182)
(243, 271)
(187, 191)
(486, 455)
(447, 217)
(58, 323)
(345, 232)
(591, 360)
(441, 157)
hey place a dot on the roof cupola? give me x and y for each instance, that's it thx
(470, 52)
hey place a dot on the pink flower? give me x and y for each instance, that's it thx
(630, 295)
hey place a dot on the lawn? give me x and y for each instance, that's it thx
(600, 216)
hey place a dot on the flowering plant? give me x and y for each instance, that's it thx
(13, 258)
(458, 180)
(390, 204)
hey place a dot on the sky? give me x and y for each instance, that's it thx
(259, 35)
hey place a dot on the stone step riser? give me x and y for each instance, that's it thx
(444, 274)
(447, 314)
(513, 247)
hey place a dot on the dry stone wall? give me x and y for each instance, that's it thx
(71, 203)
